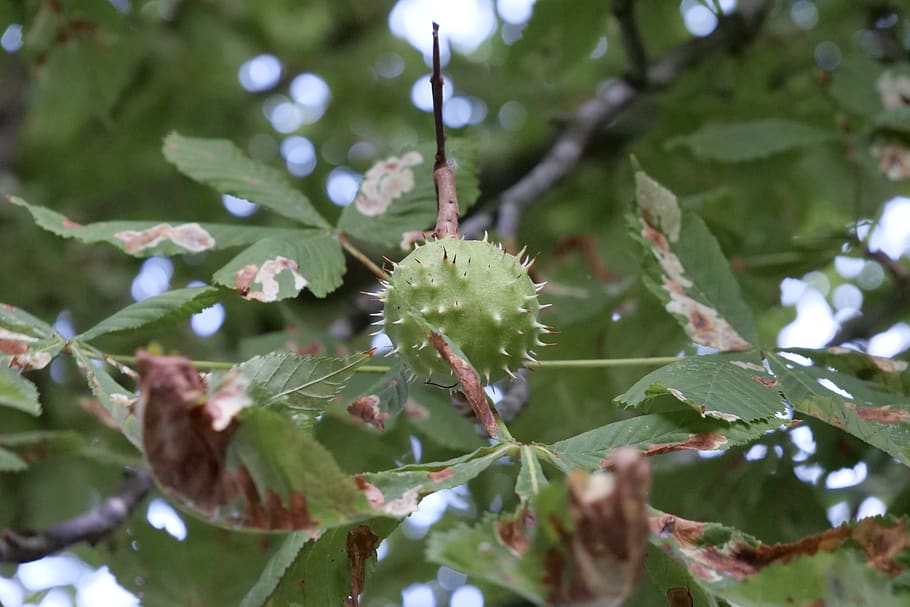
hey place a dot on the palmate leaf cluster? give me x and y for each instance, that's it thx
(331, 448)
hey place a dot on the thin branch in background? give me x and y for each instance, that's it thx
(887, 310)
(90, 526)
(636, 56)
(515, 398)
(443, 175)
(732, 32)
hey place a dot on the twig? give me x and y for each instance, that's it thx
(872, 321)
(624, 11)
(443, 175)
(90, 526)
(561, 159)
(515, 397)
(357, 254)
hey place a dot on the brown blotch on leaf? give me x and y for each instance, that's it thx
(883, 544)
(69, 223)
(374, 496)
(271, 514)
(883, 415)
(680, 597)
(243, 278)
(768, 382)
(512, 532)
(438, 476)
(706, 441)
(190, 236)
(366, 408)
(361, 545)
(308, 349)
(603, 554)
(11, 346)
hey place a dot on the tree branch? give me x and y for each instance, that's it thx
(624, 11)
(887, 310)
(443, 175)
(90, 526)
(563, 156)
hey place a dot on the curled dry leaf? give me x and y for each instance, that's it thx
(680, 597)
(366, 408)
(512, 532)
(190, 236)
(186, 435)
(361, 545)
(603, 553)
(888, 365)
(186, 453)
(739, 557)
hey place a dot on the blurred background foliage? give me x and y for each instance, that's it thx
(89, 89)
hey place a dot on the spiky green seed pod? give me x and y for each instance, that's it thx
(473, 292)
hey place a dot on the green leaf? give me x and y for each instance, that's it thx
(10, 462)
(530, 476)
(221, 165)
(18, 392)
(279, 266)
(114, 398)
(477, 551)
(687, 271)
(279, 563)
(670, 575)
(659, 433)
(867, 410)
(146, 238)
(383, 399)
(39, 445)
(731, 387)
(751, 140)
(840, 578)
(560, 39)
(322, 571)
(396, 492)
(209, 567)
(383, 216)
(284, 460)
(157, 311)
(83, 75)
(853, 85)
(301, 386)
(897, 120)
(26, 342)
